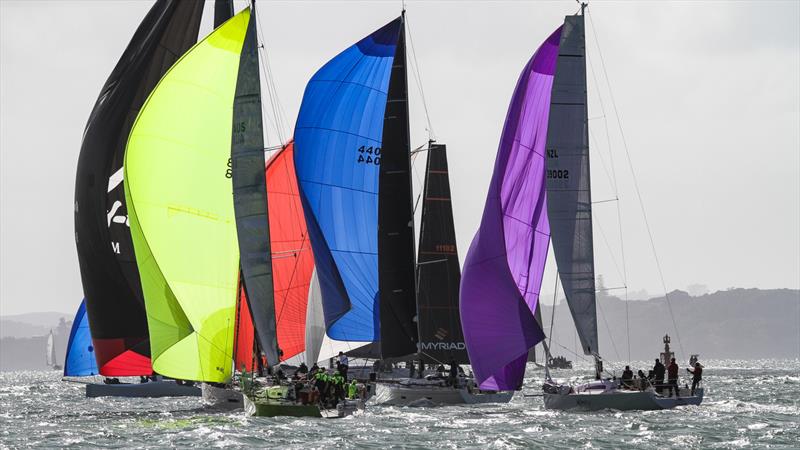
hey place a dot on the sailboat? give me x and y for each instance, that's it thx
(50, 352)
(438, 277)
(541, 189)
(110, 277)
(80, 359)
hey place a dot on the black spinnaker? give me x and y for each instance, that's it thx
(109, 274)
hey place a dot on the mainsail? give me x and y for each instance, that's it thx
(105, 252)
(250, 197)
(80, 359)
(352, 163)
(569, 200)
(396, 264)
(438, 268)
(504, 266)
(180, 198)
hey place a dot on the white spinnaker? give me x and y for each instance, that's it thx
(319, 347)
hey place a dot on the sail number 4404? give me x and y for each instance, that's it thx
(369, 155)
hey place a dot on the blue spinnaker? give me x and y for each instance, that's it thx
(80, 361)
(337, 159)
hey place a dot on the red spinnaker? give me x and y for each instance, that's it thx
(292, 258)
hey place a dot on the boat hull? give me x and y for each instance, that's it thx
(397, 394)
(618, 400)
(278, 408)
(151, 389)
(222, 398)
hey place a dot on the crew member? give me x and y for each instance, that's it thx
(627, 377)
(672, 377)
(343, 365)
(658, 375)
(452, 379)
(352, 390)
(697, 375)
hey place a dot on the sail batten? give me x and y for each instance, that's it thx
(503, 269)
(569, 200)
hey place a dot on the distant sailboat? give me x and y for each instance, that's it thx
(111, 282)
(50, 352)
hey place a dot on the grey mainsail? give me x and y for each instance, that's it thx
(569, 199)
(250, 197)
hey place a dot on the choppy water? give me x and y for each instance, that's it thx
(748, 404)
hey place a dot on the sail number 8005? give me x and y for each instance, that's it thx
(369, 155)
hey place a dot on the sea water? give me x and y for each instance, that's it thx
(747, 404)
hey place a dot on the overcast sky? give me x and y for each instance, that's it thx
(708, 94)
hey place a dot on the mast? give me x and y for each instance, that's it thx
(396, 259)
(438, 270)
(569, 199)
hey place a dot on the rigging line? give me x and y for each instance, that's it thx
(636, 186)
(602, 161)
(553, 312)
(616, 186)
(418, 79)
(608, 246)
(608, 329)
(274, 101)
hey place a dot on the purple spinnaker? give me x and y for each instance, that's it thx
(504, 266)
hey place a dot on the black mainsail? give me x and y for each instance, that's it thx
(105, 251)
(569, 199)
(438, 268)
(398, 305)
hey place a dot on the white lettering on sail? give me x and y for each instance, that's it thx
(115, 179)
(443, 346)
(113, 217)
(115, 247)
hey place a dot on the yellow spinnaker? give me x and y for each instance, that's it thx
(180, 206)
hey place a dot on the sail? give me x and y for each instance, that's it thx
(438, 269)
(396, 265)
(504, 265)
(105, 252)
(338, 139)
(80, 359)
(250, 197)
(50, 350)
(292, 257)
(244, 358)
(179, 191)
(223, 10)
(569, 200)
(320, 347)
